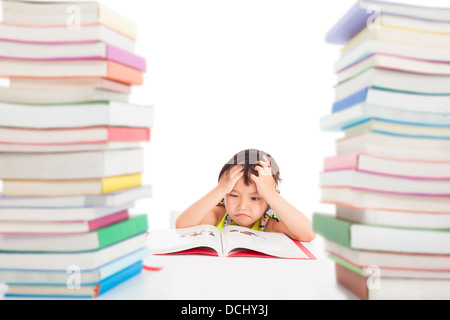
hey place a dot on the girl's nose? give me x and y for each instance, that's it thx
(242, 204)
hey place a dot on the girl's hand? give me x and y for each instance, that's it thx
(229, 180)
(264, 181)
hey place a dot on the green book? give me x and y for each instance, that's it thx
(79, 242)
(382, 238)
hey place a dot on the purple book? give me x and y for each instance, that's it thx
(126, 58)
(65, 51)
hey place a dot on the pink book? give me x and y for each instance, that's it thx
(341, 162)
(61, 227)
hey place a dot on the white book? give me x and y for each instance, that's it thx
(395, 167)
(27, 148)
(394, 80)
(62, 34)
(71, 15)
(60, 261)
(14, 68)
(384, 273)
(383, 145)
(382, 238)
(377, 238)
(74, 165)
(71, 135)
(79, 242)
(67, 214)
(427, 10)
(384, 201)
(400, 35)
(97, 83)
(62, 95)
(363, 112)
(232, 240)
(72, 187)
(404, 219)
(370, 47)
(392, 62)
(113, 199)
(384, 183)
(390, 260)
(36, 277)
(76, 115)
(408, 101)
(399, 129)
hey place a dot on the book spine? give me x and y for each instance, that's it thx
(122, 230)
(120, 183)
(332, 229)
(108, 220)
(128, 134)
(357, 98)
(341, 162)
(126, 58)
(121, 73)
(121, 276)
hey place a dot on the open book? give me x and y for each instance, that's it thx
(233, 241)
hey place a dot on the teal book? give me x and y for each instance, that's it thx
(382, 238)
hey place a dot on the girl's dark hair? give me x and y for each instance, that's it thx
(249, 159)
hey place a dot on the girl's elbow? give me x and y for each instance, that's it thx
(305, 237)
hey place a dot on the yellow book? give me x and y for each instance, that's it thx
(120, 183)
(70, 187)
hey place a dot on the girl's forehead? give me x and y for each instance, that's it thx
(243, 188)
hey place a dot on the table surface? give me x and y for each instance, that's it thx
(213, 278)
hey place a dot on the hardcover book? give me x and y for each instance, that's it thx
(233, 241)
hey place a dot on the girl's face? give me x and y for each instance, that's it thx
(244, 204)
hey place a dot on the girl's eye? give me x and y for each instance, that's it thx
(233, 195)
(255, 198)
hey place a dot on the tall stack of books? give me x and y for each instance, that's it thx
(390, 178)
(71, 158)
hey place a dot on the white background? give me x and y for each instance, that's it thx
(231, 75)
(228, 75)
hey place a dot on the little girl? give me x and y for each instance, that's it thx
(247, 196)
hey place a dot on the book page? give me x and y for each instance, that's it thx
(174, 240)
(274, 244)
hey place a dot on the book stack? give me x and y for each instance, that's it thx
(389, 180)
(71, 159)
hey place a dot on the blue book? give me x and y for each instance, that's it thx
(61, 277)
(65, 291)
(350, 101)
(409, 101)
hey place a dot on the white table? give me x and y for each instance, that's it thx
(213, 278)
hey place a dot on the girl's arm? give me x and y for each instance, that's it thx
(293, 222)
(206, 211)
